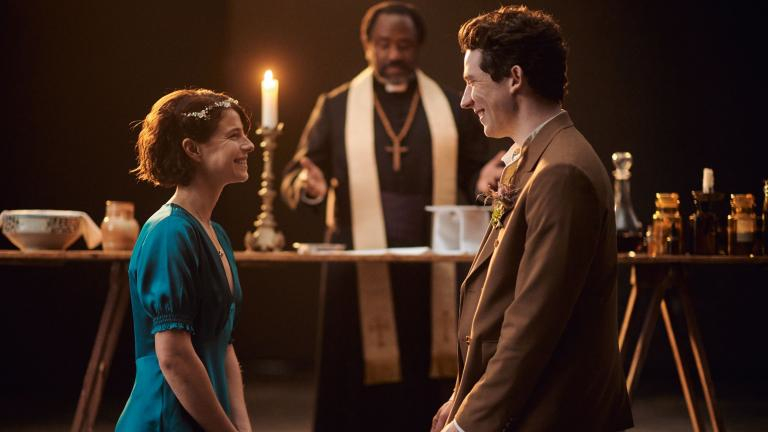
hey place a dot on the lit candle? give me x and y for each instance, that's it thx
(269, 101)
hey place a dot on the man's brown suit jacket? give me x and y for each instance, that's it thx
(538, 344)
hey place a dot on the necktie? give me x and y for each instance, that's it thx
(504, 197)
(508, 173)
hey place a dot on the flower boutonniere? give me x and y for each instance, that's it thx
(504, 195)
(503, 199)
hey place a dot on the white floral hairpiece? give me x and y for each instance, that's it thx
(205, 112)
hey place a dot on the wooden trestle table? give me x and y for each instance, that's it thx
(665, 277)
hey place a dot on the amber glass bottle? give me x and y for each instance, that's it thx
(704, 223)
(666, 233)
(742, 225)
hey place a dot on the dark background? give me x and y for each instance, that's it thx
(678, 84)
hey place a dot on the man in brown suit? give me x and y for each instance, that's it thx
(538, 323)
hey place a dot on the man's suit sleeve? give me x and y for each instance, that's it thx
(563, 218)
(315, 144)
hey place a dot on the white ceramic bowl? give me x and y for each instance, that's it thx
(41, 229)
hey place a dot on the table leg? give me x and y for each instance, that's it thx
(658, 304)
(110, 324)
(702, 366)
(646, 333)
(629, 309)
(321, 301)
(681, 371)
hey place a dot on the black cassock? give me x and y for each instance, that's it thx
(344, 403)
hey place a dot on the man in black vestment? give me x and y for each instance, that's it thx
(377, 150)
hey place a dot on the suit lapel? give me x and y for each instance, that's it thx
(536, 148)
(488, 232)
(475, 263)
(485, 252)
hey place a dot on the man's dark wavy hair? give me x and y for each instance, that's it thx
(516, 35)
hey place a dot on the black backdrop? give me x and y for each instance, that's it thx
(678, 84)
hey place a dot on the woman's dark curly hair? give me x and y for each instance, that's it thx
(161, 159)
(516, 35)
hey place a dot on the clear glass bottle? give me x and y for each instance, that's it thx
(742, 225)
(666, 235)
(119, 229)
(629, 229)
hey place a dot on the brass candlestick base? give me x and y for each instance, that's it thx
(266, 236)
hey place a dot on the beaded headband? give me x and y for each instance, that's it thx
(205, 112)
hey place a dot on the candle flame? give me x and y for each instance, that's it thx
(268, 75)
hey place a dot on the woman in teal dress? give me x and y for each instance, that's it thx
(185, 293)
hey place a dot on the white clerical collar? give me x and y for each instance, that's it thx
(393, 87)
(515, 151)
(396, 88)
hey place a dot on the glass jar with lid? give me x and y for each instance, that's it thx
(119, 229)
(667, 229)
(742, 225)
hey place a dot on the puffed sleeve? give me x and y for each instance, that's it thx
(165, 276)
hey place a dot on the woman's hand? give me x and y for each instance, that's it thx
(438, 421)
(236, 394)
(187, 377)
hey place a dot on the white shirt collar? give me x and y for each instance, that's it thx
(515, 151)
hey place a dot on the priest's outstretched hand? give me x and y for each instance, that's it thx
(313, 179)
(490, 173)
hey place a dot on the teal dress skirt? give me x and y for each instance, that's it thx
(177, 282)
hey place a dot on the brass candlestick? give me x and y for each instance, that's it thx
(266, 236)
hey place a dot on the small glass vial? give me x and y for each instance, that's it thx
(119, 229)
(742, 225)
(666, 231)
(764, 217)
(648, 239)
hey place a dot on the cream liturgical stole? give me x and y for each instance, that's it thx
(377, 317)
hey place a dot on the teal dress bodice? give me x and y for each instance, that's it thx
(177, 281)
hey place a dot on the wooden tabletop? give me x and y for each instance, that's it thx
(691, 259)
(242, 257)
(245, 258)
